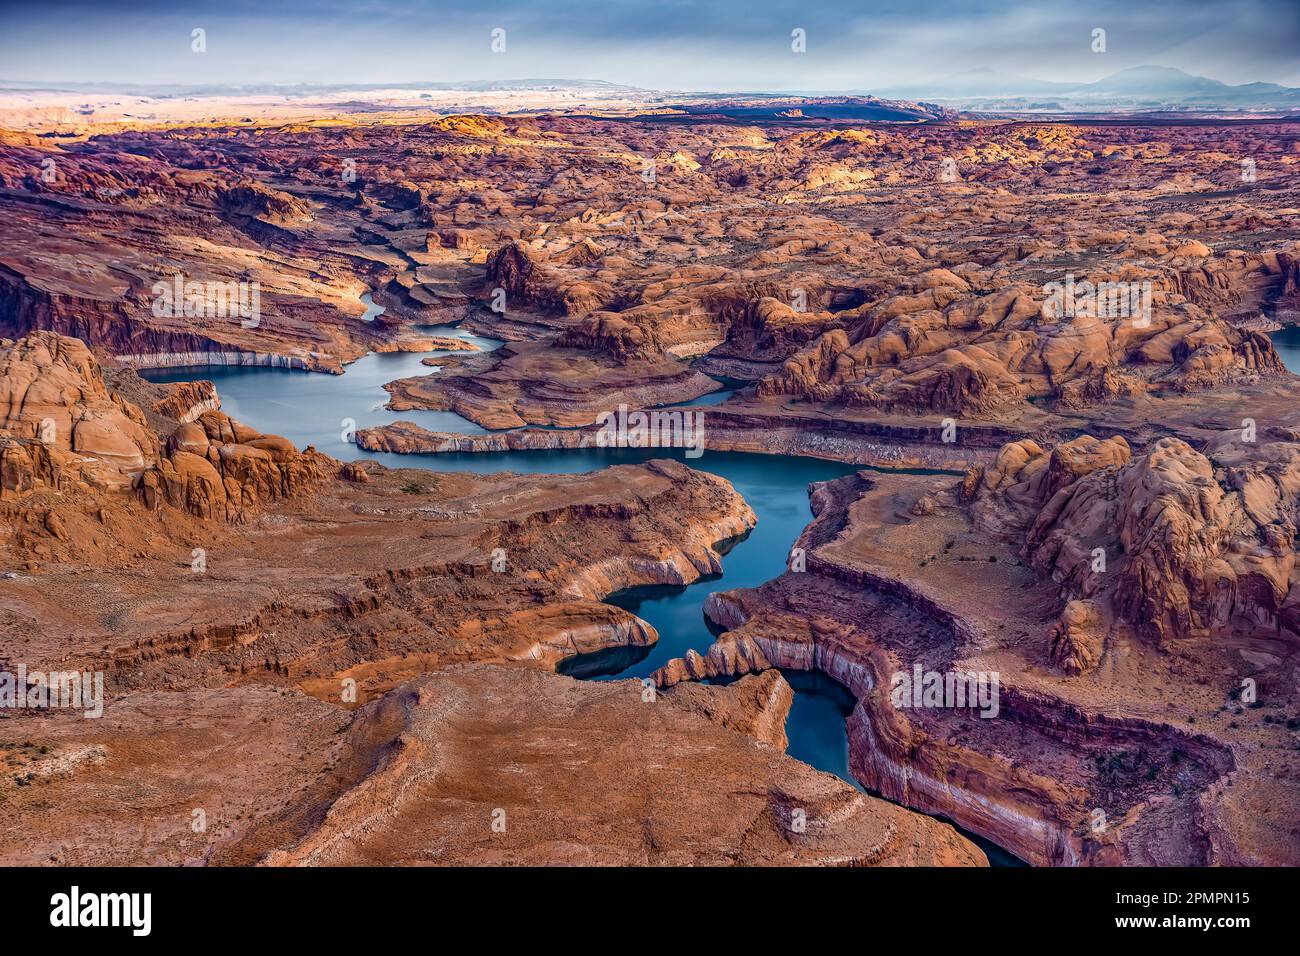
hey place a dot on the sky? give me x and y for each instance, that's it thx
(719, 45)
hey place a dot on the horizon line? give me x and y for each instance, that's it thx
(83, 85)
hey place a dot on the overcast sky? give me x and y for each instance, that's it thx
(663, 44)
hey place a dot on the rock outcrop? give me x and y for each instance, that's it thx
(186, 401)
(1177, 542)
(1017, 275)
(256, 201)
(60, 425)
(61, 428)
(1076, 641)
(216, 467)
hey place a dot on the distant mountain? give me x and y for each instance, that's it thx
(1140, 87)
(1154, 81)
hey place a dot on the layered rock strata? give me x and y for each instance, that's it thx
(1089, 749)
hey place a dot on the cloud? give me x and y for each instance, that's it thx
(679, 44)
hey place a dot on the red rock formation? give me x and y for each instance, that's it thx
(186, 401)
(254, 200)
(766, 252)
(61, 428)
(1177, 542)
(872, 282)
(1076, 641)
(944, 351)
(52, 395)
(218, 468)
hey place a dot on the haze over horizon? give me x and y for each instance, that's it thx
(726, 46)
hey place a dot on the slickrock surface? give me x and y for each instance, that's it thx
(892, 443)
(575, 773)
(535, 384)
(585, 773)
